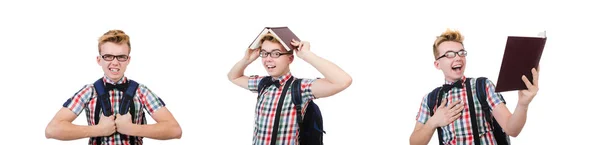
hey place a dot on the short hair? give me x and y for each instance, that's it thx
(114, 36)
(271, 38)
(448, 35)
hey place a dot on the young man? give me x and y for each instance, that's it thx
(454, 118)
(276, 61)
(117, 129)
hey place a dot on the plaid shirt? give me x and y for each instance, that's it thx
(266, 107)
(459, 132)
(85, 99)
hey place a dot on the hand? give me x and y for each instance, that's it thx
(124, 123)
(525, 96)
(445, 115)
(303, 48)
(251, 55)
(107, 125)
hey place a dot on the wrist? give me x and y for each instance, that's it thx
(94, 131)
(130, 129)
(306, 54)
(522, 107)
(244, 62)
(431, 124)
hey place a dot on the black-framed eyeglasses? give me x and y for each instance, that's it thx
(274, 54)
(452, 54)
(109, 57)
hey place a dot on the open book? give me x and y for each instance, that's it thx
(521, 54)
(283, 34)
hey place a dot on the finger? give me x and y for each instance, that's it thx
(535, 76)
(454, 117)
(454, 104)
(526, 81)
(451, 105)
(458, 108)
(455, 111)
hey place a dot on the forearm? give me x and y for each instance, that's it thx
(63, 130)
(159, 131)
(423, 135)
(238, 70)
(332, 72)
(517, 121)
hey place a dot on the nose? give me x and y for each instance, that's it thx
(114, 62)
(269, 57)
(459, 58)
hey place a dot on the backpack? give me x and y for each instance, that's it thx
(311, 126)
(126, 104)
(500, 136)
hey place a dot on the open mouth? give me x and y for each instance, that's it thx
(114, 70)
(270, 66)
(457, 67)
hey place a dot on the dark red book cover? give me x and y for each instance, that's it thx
(520, 56)
(283, 34)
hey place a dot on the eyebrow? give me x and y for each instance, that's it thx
(116, 55)
(271, 51)
(453, 51)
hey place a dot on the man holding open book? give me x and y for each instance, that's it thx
(275, 115)
(458, 109)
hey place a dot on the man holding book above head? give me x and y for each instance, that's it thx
(278, 114)
(468, 110)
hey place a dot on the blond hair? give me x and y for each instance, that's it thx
(114, 36)
(448, 35)
(269, 37)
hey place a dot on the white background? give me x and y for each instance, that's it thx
(183, 52)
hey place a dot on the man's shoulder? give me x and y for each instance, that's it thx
(140, 86)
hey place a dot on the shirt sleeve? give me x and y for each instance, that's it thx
(150, 101)
(306, 89)
(424, 112)
(253, 81)
(79, 100)
(493, 98)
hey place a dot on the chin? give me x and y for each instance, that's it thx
(115, 77)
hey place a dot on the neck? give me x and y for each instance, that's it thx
(114, 80)
(453, 80)
(282, 74)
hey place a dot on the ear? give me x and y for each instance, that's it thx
(291, 58)
(98, 60)
(128, 59)
(436, 64)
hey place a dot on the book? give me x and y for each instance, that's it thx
(283, 34)
(521, 54)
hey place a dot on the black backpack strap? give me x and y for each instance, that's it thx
(127, 105)
(102, 104)
(278, 113)
(127, 100)
(482, 97)
(297, 99)
(433, 100)
(499, 134)
(261, 85)
(474, 126)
